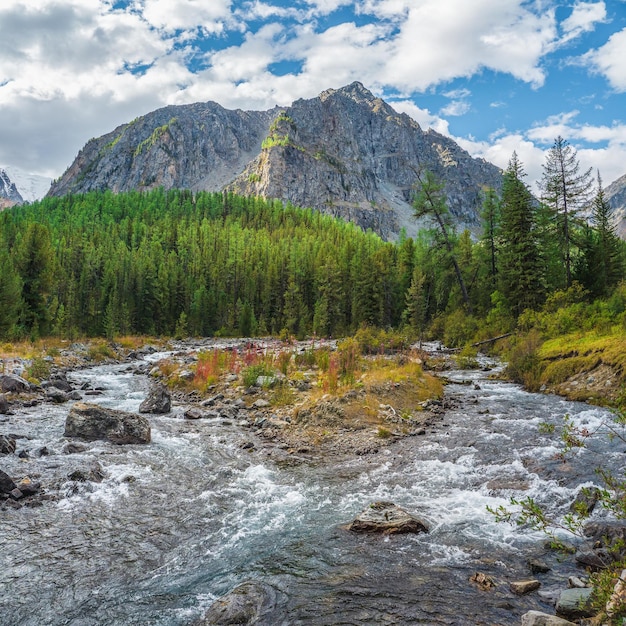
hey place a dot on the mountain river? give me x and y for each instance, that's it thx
(181, 521)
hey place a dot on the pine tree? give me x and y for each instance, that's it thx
(566, 191)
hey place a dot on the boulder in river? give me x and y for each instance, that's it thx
(158, 401)
(575, 603)
(536, 618)
(4, 405)
(91, 422)
(249, 603)
(386, 517)
(7, 484)
(13, 383)
(522, 587)
(7, 444)
(56, 395)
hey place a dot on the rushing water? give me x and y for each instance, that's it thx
(181, 521)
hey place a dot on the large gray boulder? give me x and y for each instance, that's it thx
(91, 422)
(249, 603)
(386, 517)
(7, 444)
(14, 384)
(7, 484)
(575, 603)
(159, 400)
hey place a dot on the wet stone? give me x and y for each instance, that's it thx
(7, 445)
(522, 587)
(387, 518)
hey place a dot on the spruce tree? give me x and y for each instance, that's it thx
(520, 271)
(566, 191)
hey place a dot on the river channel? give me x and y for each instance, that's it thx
(179, 522)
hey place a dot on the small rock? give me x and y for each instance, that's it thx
(28, 487)
(484, 581)
(56, 395)
(536, 618)
(74, 448)
(213, 400)
(24, 454)
(194, 413)
(7, 445)
(538, 567)
(16, 494)
(4, 405)
(94, 474)
(574, 582)
(522, 587)
(260, 404)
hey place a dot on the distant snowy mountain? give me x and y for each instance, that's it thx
(9, 195)
(31, 187)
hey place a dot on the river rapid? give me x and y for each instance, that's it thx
(181, 521)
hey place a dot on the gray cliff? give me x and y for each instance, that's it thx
(615, 194)
(345, 153)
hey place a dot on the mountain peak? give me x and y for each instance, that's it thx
(346, 153)
(8, 191)
(356, 91)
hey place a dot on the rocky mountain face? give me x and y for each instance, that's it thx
(616, 196)
(9, 195)
(345, 153)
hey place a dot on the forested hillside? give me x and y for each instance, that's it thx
(178, 263)
(167, 262)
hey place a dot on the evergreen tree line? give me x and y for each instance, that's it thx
(530, 248)
(178, 263)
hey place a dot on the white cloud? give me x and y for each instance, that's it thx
(584, 17)
(422, 116)
(171, 15)
(456, 108)
(609, 60)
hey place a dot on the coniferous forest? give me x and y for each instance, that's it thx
(178, 263)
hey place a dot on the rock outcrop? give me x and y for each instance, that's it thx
(345, 153)
(92, 422)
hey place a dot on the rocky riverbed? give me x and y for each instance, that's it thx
(242, 483)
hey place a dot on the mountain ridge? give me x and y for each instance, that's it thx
(345, 152)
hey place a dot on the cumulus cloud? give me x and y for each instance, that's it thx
(583, 19)
(172, 15)
(609, 60)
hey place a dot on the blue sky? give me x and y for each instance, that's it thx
(495, 75)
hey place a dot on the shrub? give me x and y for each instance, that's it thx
(39, 369)
(251, 373)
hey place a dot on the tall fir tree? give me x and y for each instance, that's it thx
(565, 190)
(520, 270)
